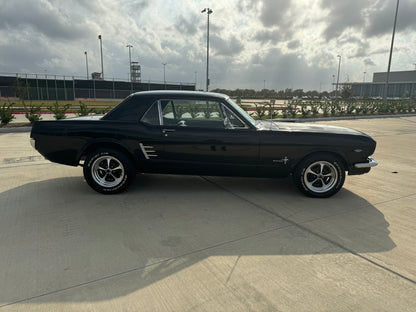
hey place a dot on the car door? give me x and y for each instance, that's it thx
(199, 137)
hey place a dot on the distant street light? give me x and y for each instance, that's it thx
(391, 52)
(339, 67)
(102, 64)
(129, 46)
(164, 73)
(86, 63)
(364, 76)
(209, 11)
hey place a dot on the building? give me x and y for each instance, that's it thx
(402, 84)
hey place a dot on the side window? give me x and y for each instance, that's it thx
(193, 113)
(151, 117)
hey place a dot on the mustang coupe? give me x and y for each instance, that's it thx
(201, 133)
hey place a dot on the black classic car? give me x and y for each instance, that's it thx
(201, 133)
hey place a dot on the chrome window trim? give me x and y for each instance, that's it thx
(236, 116)
(241, 112)
(159, 107)
(223, 106)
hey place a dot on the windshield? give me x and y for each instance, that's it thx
(242, 112)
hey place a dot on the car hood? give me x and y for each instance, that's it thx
(267, 125)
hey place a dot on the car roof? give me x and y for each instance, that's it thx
(179, 93)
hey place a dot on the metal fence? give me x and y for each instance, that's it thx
(44, 87)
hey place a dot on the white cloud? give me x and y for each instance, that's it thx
(287, 43)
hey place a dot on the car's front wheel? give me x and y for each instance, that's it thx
(320, 175)
(108, 171)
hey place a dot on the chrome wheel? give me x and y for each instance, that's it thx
(320, 176)
(107, 171)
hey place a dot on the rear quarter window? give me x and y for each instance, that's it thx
(131, 109)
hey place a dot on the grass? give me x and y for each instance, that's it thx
(16, 125)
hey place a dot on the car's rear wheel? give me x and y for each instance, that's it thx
(108, 171)
(320, 175)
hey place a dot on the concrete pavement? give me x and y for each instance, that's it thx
(178, 243)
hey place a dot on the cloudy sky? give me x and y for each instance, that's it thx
(253, 43)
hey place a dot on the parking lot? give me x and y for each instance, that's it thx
(192, 243)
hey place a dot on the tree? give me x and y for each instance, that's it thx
(346, 92)
(21, 90)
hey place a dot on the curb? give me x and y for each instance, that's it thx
(343, 118)
(15, 129)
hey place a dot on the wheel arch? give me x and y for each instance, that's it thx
(341, 156)
(105, 143)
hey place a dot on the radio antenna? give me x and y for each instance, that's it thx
(271, 113)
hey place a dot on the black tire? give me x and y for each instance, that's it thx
(320, 175)
(108, 171)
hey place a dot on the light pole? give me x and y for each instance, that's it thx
(164, 74)
(209, 11)
(102, 65)
(362, 87)
(339, 67)
(129, 46)
(46, 80)
(86, 62)
(196, 73)
(391, 52)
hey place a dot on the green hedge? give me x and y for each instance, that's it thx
(311, 109)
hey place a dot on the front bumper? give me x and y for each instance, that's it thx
(371, 163)
(363, 167)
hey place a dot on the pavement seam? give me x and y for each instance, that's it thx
(394, 199)
(306, 229)
(28, 165)
(392, 134)
(405, 119)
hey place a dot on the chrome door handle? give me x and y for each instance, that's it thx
(166, 131)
